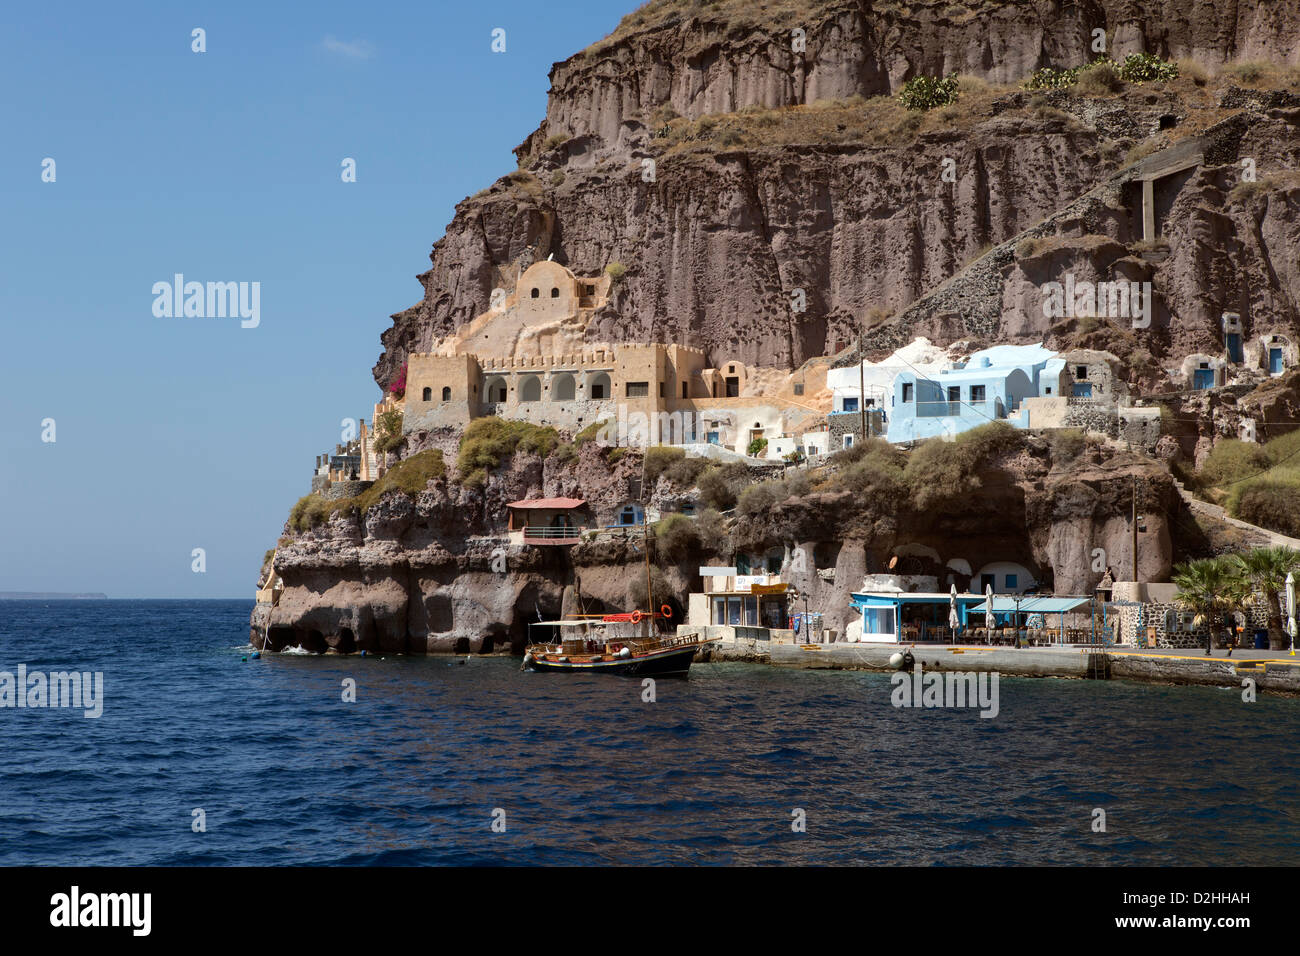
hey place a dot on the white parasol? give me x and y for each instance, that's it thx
(1290, 609)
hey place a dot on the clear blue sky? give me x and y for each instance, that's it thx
(173, 433)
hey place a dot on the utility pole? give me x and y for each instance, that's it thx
(862, 388)
(1135, 529)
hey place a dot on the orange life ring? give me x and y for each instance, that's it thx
(636, 617)
(666, 611)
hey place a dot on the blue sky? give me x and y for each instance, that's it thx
(172, 433)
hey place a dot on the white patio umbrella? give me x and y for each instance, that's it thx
(1290, 609)
(953, 620)
(988, 610)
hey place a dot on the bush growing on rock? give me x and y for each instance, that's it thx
(388, 431)
(718, 485)
(677, 538)
(685, 472)
(940, 472)
(1099, 78)
(590, 432)
(760, 498)
(1230, 461)
(658, 459)
(489, 441)
(923, 93)
(1269, 503)
(1067, 444)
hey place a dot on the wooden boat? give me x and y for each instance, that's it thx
(626, 644)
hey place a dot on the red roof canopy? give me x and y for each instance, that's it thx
(548, 503)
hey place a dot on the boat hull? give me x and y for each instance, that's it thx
(665, 663)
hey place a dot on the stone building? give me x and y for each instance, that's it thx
(527, 359)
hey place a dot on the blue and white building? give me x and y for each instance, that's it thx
(991, 386)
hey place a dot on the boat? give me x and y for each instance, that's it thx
(629, 644)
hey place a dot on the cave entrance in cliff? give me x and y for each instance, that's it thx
(347, 641)
(278, 638)
(461, 646)
(314, 643)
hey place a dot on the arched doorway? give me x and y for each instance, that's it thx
(563, 388)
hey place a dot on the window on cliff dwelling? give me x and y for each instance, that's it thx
(850, 404)
(638, 389)
(536, 293)
(1081, 372)
(976, 394)
(446, 393)
(530, 390)
(907, 391)
(733, 387)
(798, 388)
(685, 387)
(661, 389)
(555, 293)
(426, 395)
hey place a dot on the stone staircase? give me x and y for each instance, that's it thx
(1265, 537)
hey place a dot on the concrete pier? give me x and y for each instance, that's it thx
(1272, 671)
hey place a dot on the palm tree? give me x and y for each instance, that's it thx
(1266, 570)
(1206, 587)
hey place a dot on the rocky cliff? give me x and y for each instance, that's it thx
(775, 171)
(770, 200)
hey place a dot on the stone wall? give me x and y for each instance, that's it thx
(1169, 620)
(335, 490)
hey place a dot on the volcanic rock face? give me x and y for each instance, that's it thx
(700, 65)
(717, 237)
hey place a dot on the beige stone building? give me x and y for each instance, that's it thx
(528, 358)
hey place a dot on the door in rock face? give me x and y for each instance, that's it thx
(1275, 361)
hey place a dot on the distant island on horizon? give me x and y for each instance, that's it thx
(53, 596)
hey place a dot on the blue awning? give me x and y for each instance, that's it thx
(1006, 604)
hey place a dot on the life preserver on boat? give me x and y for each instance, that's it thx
(666, 612)
(636, 617)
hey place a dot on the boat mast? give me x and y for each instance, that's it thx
(645, 537)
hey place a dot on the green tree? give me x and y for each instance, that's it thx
(1206, 588)
(1265, 570)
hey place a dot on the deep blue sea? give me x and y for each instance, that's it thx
(433, 750)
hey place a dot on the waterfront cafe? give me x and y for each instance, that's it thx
(892, 616)
(742, 600)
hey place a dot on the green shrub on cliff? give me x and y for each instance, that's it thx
(940, 473)
(388, 431)
(684, 472)
(923, 93)
(1268, 502)
(718, 485)
(310, 511)
(410, 475)
(489, 441)
(1231, 461)
(658, 459)
(676, 538)
(590, 433)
